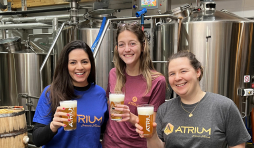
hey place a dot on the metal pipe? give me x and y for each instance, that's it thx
(33, 46)
(55, 28)
(38, 19)
(24, 5)
(29, 106)
(123, 19)
(74, 12)
(152, 23)
(3, 32)
(27, 96)
(100, 40)
(24, 26)
(145, 17)
(86, 6)
(34, 11)
(39, 34)
(50, 50)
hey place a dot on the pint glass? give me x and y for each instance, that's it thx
(116, 98)
(145, 115)
(70, 108)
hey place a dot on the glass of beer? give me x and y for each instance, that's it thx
(116, 98)
(145, 115)
(70, 108)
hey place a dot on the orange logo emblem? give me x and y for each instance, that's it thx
(112, 104)
(134, 99)
(169, 129)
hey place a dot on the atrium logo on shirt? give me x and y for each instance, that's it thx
(169, 129)
(133, 102)
(135, 99)
(195, 131)
(89, 121)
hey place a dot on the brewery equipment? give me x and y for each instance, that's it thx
(87, 31)
(154, 7)
(222, 41)
(20, 77)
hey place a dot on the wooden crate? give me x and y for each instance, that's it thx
(36, 3)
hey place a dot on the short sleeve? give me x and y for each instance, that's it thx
(42, 115)
(159, 123)
(236, 131)
(158, 92)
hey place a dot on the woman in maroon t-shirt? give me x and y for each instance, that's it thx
(134, 75)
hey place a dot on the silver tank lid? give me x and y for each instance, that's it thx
(214, 15)
(207, 12)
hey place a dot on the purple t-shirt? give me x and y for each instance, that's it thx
(123, 134)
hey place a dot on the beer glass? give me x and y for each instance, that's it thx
(70, 108)
(116, 98)
(145, 115)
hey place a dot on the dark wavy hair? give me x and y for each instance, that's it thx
(62, 87)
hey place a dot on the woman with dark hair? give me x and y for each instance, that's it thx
(74, 79)
(135, 76)
(195, 119)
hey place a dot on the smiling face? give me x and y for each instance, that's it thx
(79, 67)
(129, 48)
(183, 78)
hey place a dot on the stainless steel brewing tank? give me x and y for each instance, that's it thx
(20, 75)
(223, 43)
(165, 44)
(103, 61)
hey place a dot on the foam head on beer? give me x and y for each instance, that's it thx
(116, 97)
(70, 108)
(145, 110)
(145, 114)
(69, 103)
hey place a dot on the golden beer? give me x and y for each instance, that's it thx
(115, 98)
(70, 108)
(145, 115)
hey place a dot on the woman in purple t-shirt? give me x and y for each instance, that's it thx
(134, 75)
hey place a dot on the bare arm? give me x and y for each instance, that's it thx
(153, 141)
(238, 146)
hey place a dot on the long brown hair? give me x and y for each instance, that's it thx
(62, 87)
(146, 67)
(192, 58)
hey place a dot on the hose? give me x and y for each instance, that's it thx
(99, 34)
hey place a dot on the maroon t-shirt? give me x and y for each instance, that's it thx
(123, 134)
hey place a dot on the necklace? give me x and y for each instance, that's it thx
(190, 113)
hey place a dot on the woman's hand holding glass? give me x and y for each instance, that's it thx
(126, 114)
(139, 130)
(58, 119)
